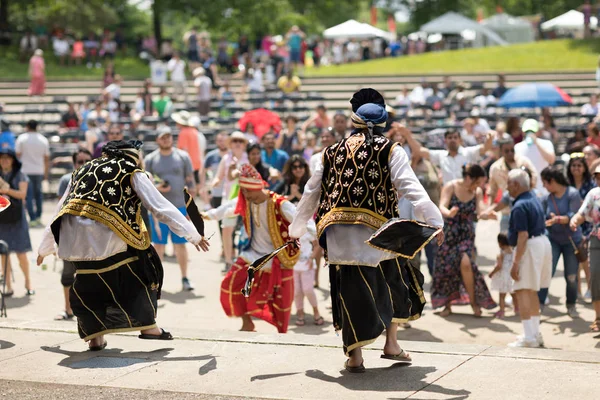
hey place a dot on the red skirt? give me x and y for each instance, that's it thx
(271, 297)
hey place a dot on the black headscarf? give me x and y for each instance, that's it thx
(123, 149)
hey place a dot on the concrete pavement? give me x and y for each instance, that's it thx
(457, 357)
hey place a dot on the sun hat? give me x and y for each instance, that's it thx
(182, 118)
(237, 135)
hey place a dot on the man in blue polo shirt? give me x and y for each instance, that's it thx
(276, 158)
(532, 262)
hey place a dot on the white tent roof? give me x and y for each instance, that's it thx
(505, 20)
(352, 29)
(571, 20)
(453, 23)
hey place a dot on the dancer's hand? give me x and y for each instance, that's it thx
(203, 245)
(40, 260)
(440, 238)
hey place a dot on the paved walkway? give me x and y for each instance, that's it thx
(455, 358)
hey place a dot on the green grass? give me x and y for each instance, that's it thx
(11, 69)
(554, 55)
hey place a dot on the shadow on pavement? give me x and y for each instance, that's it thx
(6, 345)
(87, 359)
(179, 297)
(17, 302)
(271, 376)
(398, 377)
(416, 334)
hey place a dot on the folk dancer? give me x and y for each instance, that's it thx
(99, 228)
(266, 218)
(354, 191)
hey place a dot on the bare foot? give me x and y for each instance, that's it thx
(446, 312)
(247, 324)
(476, 310)
(392, 349)
(97, 341)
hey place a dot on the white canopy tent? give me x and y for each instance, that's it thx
(569, 21)
(352, 29)
(512, 29)
(453, 23)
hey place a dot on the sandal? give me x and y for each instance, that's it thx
(64, 316)
(300, 321)
(595, 326)
(319, 321)
(402, 357)
(499, 314)
(30, 292)
(163, 336)
(99, 347)
(355, 370)
(9, 294)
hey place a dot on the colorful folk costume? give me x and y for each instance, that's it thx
(266, 225)
(99, 228)
(354, 191)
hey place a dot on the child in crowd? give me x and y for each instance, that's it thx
(304, 278)
(501, 279)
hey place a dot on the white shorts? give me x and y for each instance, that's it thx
(535, 270)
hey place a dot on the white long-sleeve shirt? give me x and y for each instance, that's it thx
(83, 239)
(261, 239)
(346, 243)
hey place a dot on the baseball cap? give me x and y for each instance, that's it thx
(597, 170)
(530, 125)
(162, 131)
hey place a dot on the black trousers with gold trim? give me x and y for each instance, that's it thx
(115, 294)
(365, 300)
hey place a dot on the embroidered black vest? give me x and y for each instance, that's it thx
(101, 190)
(356, 187)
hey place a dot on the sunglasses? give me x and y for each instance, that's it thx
(298, 166)
(237, 141)
(577, 155)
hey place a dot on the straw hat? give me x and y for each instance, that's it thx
(182, 118)
(238, 135)
(198, 72)
(38, 52)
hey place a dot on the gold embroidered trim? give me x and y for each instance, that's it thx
(410, 257)
(350, 216)
(105, 216)
(278, 238)
(114, 266)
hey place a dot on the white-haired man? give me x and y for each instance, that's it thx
(532, 262)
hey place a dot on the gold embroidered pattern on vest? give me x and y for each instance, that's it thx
(101, 190)
(356, 187)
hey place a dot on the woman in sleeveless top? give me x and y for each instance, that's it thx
(456, 278)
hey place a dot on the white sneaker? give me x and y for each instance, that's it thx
(539, 339)
(547, 301)
(523, 342)
(587, 296)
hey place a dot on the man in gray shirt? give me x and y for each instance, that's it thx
(173, 169)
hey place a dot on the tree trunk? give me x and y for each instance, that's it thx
(156, 16)
(4, 14)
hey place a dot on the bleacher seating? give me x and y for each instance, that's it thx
(333, 92)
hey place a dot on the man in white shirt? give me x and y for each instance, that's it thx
(452, 160)
(485, 101)
(539, 151)
(114, 89)
(203, 84)
(176, 67)
(33, 150)
(61, 48)
(590, 109)
(364, 175)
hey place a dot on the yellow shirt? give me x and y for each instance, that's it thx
(289, 85)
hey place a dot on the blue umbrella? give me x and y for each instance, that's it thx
(531, 95)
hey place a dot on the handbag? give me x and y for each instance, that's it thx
(581, 251)
(14, 212)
